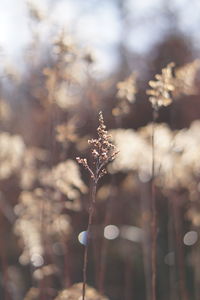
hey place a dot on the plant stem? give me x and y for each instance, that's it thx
(176, 206)
(146, 244)
(173, 289)
(3, 258)
(154, 216)
(104, 248)
(88, 236)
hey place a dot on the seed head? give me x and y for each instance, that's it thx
(102, 151)
(160, 94)
(127, 88)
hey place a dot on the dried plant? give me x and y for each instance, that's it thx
(42, 190)
(127, 90)
(66, 79)
(160, 94)
(176, 160)
(185, 77)
(103, 152)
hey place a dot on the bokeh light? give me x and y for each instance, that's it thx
(190, 238)
(111, 232)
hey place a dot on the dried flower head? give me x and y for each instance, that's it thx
(161, 88)
(102, 150)
(185, 78)
(126, 94)
(127, 88)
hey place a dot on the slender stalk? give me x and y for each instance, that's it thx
(102, 151)
(179, 246)
(146, 243)
(196, 262)
(104, 248)
(3, 259)
(173, 289)
(154, 215)
(42, 284)
(88, 236)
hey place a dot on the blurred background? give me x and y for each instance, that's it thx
(61, 63)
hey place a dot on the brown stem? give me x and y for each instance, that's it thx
(107, 220)
(42, 284)
(146, 243)
(88, 236)
(154, 215)
(173, 290)
(3, 258)
(180, 254)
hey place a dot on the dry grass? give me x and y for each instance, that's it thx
(147, 210)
